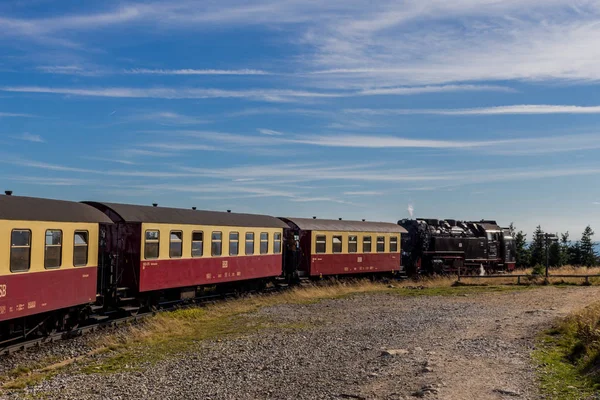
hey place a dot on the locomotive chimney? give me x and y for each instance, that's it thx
(154, 204)
(8, 192)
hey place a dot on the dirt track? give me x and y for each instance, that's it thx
(379, 346)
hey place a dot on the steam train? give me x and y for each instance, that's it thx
(65, 263)
(436, 246)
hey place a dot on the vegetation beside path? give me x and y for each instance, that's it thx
(568, 357)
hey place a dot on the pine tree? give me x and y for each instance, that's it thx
(521, 250)
(575, 254)
(588, 255)
(554, 255)
(537, 248)
(512, 229)
(565, 243)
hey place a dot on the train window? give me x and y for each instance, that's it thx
(216, 248)
(197, 244)
(352, 244)
(321, 245)
(366, 244)
(277, 243)
(20, 250)
(152, 245)
(337, 244)
(176, 244)
(249, 243)
(380, 244)
(234, 241)
(264, 243)
(53, 249)
(393, 244)
(80, 250)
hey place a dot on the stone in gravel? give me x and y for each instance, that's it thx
(352, 396)
(427, 369)
(427, 389)
(394, 352)
(507, 392)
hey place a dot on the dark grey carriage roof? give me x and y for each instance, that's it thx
(310, 224)
(18, 208)
(165, 215)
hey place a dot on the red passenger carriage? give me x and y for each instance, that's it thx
(336, 247)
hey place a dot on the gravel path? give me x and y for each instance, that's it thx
(378, 346)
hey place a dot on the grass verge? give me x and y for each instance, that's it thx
(568, 357)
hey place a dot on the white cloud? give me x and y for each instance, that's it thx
(7, 114)
(499, 110)
(133, 152)
(164, 118)
(364, 193)
(376, 142)
(70, 70)
(270, 132)
(28, 137)
(371, 45)
(319, 199)
(222, 141)
(52, 181)
(268, 95)
(183, 147)
(273, 110)
(434, 89)
(144, 71)
(110, 160)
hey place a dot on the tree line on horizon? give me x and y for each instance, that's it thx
(557, 253)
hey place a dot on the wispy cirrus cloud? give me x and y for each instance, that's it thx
(28, 137)
(70, 70)
(274, 110)
(269, 132)
(191, 71)
(386, 44)
(164, 118)
(364, 193)
(523, 109)
(15, 115)
(190, 140)
(403, 91)
(267, 95)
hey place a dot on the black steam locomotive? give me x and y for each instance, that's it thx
(434, 246)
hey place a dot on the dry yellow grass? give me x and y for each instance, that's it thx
(565, 270)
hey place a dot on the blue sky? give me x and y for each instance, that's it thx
(465, 109)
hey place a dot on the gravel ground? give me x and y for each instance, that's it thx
(377, 346)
